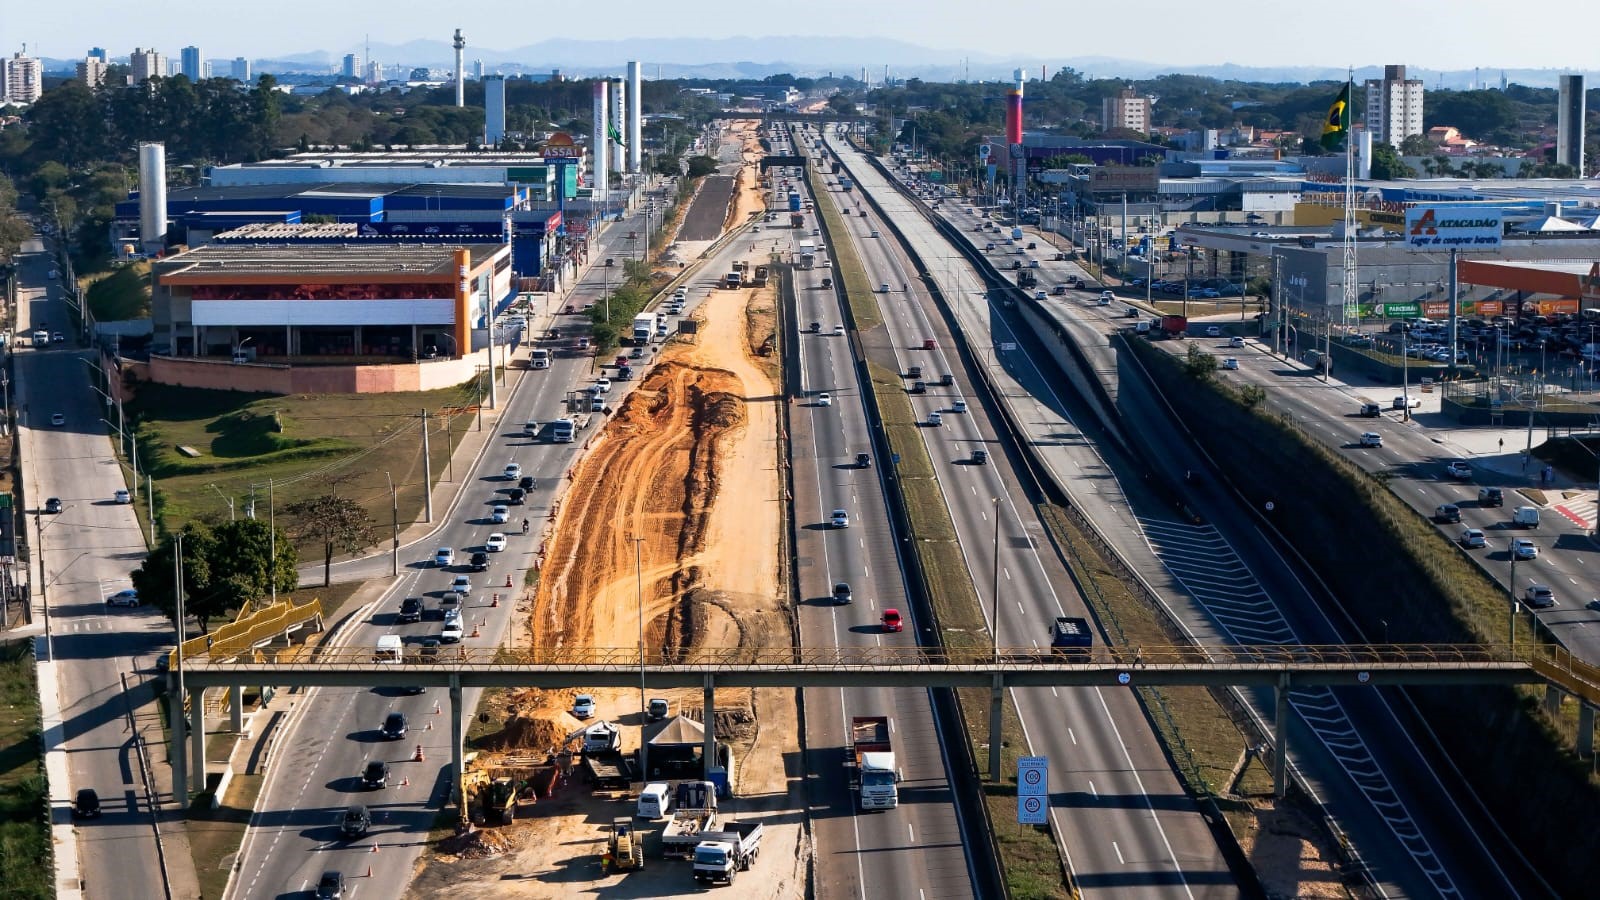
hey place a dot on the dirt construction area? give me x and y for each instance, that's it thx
(685, 475)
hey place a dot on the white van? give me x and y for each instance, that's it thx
(654, 801)
(390, 651)
(1525, 517)
(539, 358)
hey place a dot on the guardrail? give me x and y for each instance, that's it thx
(251, 632)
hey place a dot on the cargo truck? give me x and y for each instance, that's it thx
(644, 325)
(724, 854)
(694, 814)
(797, 220)
(761, 276)
(794, 201)
(869, 759)
(1070, 635)
(732, 280)
(845, 184)
(808, 254)
(1175, 326)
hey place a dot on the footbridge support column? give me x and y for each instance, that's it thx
(710, 704)
(1280, 738)
(197, 740)
(457, 766)
(997, 711)
(1585, 730)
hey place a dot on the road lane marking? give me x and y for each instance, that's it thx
(1073, 736)
(1092, 789)
(1119, 853)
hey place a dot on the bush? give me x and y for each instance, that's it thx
(701, 166)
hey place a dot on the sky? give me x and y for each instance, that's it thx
(1457, 35)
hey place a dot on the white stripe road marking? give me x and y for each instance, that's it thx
(1073, 736)
(1119, 853)
(1093, 790)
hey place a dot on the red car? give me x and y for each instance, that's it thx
(891, 620)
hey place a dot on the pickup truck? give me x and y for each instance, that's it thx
(724, 854)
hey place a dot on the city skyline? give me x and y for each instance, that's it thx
(1165, 32)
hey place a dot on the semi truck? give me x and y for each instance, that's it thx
(732, 279)
(1070, 635)
(794, 201)
(1174, 326)
(869, 759)
(845, 184)
(808, 254)
(644, 325)
(797, 220)
(694, 814)
(724, 854)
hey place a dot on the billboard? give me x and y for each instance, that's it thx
(1454, 228)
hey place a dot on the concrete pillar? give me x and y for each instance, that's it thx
(1280, 737)
(288, 340)
(236, 708)
(997, 711)
(197, 737)
(1552, 699)
(457, 766)
(1585, 730)
(179, 750)
(709, 699)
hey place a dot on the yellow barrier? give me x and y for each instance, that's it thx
(239, 637)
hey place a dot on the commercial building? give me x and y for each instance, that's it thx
(144, 65)
(284, 318)
(1570, 130)
(192, 63)
(21, 79)
(1128, 109)
(91, 72)
(240, 70)
(545, 177)
(351, 67)
(1394, 106)
(494, 109)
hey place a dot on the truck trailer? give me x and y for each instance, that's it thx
(808, 254)
(644, 325)
(869, 759)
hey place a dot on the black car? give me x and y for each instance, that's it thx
(394, 726)
(87, 804)
(479, 562)
(516, 495)
(330, 886)
(411, 609)
(1491, 496)
(357, 821)
(430, 650)
(53, 505)
(528, 483)
(841, 594)
(376, 775)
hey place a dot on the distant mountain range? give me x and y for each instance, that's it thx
(759, 57)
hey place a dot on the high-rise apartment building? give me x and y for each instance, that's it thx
(374, 72)
(100, 54)
(144, 65)
(1570, 131)
(351, 67)
(192, 63)
(92, 72)
(21, 79)
(240, 70)
(1128, 110)
(1394, 106)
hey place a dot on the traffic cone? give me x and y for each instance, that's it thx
(508, 582)
(418, 757)
(405, 782)
(474, 629)
(436, 707)
(374, 848)
(369, 871)
(429, 728)
(494, 601)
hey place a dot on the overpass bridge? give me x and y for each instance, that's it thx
(1280, 667)
(779, 116)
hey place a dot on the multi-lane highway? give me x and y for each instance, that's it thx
(1351, 748)
(1120, 814)
(920, 848)
(88, 549)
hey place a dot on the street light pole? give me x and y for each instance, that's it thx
(994, 586)
(394, 522)
(638, 593)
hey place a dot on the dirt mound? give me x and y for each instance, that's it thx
(531, 732)
(481, 843)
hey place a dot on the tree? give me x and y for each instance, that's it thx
(334, 521)
(700, 166)
(669, 166)
(1387, 164)
(224, 568)
(1198, 363)
(1416, 145)
(841, 104)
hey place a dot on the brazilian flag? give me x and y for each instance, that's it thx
(1336, 127)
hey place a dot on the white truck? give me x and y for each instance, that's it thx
(724, 854)
(644, 326)
(808, 254)
(602, 737)
(539, 358)
(871, 764)
(694, 814)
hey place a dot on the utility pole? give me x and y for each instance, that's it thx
(394, 522)
(638, 590)
(994, 587)
(272, 539)
(180, 722)
(427, 473)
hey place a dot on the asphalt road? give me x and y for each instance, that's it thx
(918, 848)
(89, 549)
(1123, 820)
(1396, 802)
(703, 221)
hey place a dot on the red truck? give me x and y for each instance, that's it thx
(1175, 326)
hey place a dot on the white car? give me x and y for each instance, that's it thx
(1473, 538)
(1371, 439)
(960, 406)
(1230, 363)
(824, 399)
(495, 543)
(444, 557)
(839, 519)
(462, 585)
(129, 597)
(512, 471)
(603, 385)
(583, 707)
(452, 632)
(122, 496)
(1213, 331)
(1524, 549)
(1459, 469)
(500, 515)
(1539, 596)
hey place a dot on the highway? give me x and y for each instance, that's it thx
(920, 848)
(1121, 817)
(1353, 748)
(89, 548)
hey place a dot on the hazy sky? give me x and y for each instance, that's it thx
(1446, 35)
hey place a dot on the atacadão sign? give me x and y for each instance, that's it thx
(1464, 228)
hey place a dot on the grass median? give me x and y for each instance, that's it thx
(26, 868)
(1029, 861)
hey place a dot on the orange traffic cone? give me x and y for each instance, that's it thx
(374, 848)
(369, 871)
(405, 782)
(474, 629)
(436, 707)
(508, 580)
(418, 757)
(494, 600)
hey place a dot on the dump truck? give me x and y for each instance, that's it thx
(1175, 326)
(626, 846)
(601, 737)
(694, 813)
(760, 279)
(724, 854)
(869, 759)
